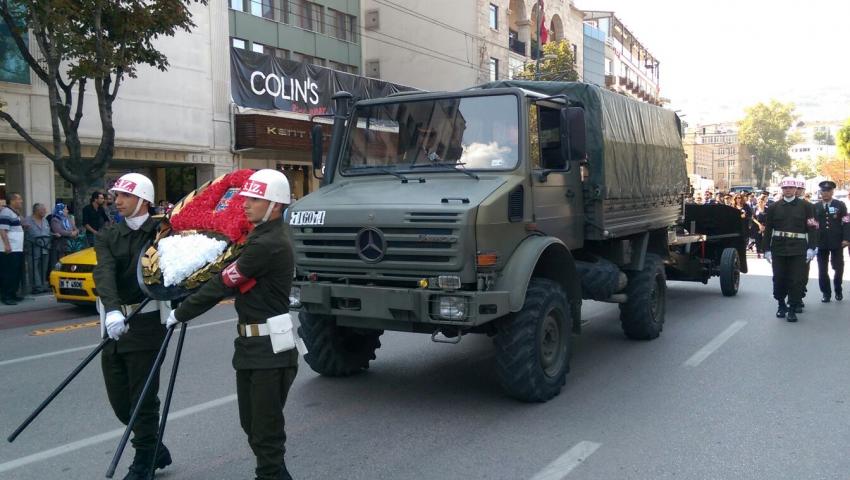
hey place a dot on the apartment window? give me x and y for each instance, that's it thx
(298, 57)
(494, 17)
(341, 25)
(238, 5)
(494, 69)
(281, 53)
(258, 47)
(13, 67)
(609, 67)
(311, 17)
(238, 43)
(262, 8)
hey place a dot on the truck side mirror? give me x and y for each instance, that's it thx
(573, 134)
(317, 137)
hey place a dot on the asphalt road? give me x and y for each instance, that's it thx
(727, 392)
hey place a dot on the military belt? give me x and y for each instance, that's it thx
(252, 329)
(150, 307)
(779, 233)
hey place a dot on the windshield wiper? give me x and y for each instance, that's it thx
(451, 165)
(387, 171)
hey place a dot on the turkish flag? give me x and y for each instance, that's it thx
(544, 32)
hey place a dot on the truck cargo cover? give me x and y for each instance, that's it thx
(634, 148)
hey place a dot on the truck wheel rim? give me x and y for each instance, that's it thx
(551, 348)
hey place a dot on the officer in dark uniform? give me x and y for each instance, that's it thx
(260, 279)
(790, 238)
(834, 236)
(127, 361)
(801, 194)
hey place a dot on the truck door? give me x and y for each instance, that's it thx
(556, 183)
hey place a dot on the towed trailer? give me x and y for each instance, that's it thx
(710, 242)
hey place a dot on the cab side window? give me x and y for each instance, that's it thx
(545, 138)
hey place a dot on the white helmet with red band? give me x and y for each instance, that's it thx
(135, 184)
(267, 184)
(801, 183)
(788, 182)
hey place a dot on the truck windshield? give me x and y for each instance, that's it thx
(474, 133)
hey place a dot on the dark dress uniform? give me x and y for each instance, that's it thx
(260, 279)
(127, 362)
(790, 229)
(834, 229)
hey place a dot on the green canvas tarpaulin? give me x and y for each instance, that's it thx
(634, 148)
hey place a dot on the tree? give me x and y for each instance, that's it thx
(88, 40)
(764, 131)
(557, 63)
(803, 168)
(824, 137)
(844, 140)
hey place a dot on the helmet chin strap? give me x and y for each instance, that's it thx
(268, 212)
(138, 207)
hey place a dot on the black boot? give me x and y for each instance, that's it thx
(782, 310)
(798, 308)
(163, 457)
(284, 473)
(838, 295)
(140, 469)
(792, 315)
(826, 299)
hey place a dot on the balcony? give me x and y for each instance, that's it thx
(610, 80)
(514, 44)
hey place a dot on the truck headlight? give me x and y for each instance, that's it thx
(448, 282)
(295, 297)
(452, 308)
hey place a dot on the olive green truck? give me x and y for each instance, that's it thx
(491, 210)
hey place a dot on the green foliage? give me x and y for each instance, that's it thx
(803, 168)
(557, 63)
(764, 131)
(824, 137)
(844, 140)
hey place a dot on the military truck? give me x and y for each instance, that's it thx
(492, 210)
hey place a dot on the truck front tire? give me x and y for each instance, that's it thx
(642, 316)
(336, 351)
(533, 345)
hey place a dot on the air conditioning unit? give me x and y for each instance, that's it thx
(373, 68)
(371, 20)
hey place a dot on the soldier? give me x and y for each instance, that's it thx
(834, 236)
(804, 197)
(790, 238)
(127, 361)
(260, 279)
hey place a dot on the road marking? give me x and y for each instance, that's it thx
(565, 464)
(87, 442)
(64, 328)
(713, 345)
(89, 347)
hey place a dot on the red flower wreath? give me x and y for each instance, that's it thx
(200, 213)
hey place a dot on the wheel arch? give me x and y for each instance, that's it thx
(546, 257)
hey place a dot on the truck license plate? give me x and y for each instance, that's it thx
(307, 218)
(68, 283)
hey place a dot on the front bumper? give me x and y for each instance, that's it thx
(398, 304)
(82, 290)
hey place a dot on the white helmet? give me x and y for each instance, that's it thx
(801, 183)
(788, 182)
(135, 184)
(267, 184)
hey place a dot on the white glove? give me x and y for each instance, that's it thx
(810, 254)
(172, 320)
(116, 325)
(768, 256)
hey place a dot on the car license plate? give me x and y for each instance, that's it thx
(305, 217)
(69, 283)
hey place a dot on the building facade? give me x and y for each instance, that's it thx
(172, 126)
(714, 152)
(629, 67)
(456, 44)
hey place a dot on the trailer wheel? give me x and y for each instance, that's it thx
(642, 316)
(533, 345)
(730, 272)
(336, 351)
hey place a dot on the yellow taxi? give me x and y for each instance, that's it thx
(72, 279)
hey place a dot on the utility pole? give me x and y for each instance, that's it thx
(539, 23)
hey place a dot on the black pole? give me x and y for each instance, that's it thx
(539, 23)
(156, 364)
(69, 378)
(167, 404)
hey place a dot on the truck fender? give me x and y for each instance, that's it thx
(546, 257)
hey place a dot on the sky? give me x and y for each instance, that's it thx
(721, 56)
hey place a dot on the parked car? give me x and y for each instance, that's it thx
(72, 279)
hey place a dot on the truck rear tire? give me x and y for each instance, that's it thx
(642, 316)
(730, 272)
(533, 345)
(336, 351)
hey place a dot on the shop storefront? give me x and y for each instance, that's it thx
(274, 100)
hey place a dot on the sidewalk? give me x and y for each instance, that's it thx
(32, 303)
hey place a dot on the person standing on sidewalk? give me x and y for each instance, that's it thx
(12, 257)
(834, 236)
(127, 361)
(260, 279)
(38, 236)
(94, 217)
(790, 238)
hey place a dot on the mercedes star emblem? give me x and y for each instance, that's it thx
(371, 245)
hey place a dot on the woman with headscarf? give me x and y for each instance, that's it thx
(63, 230)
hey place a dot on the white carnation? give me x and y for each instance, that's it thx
(180, 256)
